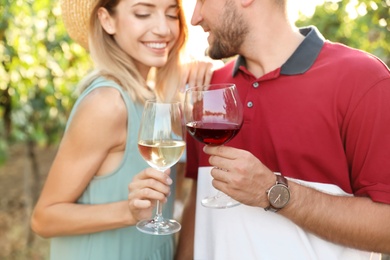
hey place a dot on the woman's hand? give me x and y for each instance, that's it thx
(199, 72)
(146, 188)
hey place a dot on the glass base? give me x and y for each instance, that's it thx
(162, 227)
(219, 201)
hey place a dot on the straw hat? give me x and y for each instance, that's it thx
(75, 14)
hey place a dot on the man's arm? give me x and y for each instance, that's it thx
(185, 247)
(351, 221)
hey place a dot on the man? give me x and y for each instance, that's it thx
(313, 149)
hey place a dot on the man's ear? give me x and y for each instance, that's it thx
(246, 3)
(106, 21)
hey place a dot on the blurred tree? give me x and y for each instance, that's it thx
(40, 67)
(362, 24)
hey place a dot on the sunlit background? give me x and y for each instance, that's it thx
(40, 67)
(197, 43)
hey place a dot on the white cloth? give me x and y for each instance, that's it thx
(244, 232)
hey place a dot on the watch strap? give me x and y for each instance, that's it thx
(280, 179)
(270, 208)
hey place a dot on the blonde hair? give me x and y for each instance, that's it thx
(113, 63)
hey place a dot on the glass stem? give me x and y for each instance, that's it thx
(158, 217)
(220, 194)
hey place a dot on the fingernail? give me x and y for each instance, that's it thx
(169, 181)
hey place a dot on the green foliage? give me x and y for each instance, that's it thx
(39, 71)
(40, 65)
(362, 24)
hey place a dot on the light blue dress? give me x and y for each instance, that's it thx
(123, 243)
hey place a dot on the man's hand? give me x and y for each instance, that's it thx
(240, 175)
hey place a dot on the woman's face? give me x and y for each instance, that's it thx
(146, 30)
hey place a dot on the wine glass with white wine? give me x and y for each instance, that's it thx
(161, 144)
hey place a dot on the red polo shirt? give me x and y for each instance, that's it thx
(323, 117)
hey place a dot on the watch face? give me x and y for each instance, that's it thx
(278, 196)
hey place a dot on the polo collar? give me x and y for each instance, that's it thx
(302, 58)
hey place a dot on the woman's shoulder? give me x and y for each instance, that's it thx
(105, 101)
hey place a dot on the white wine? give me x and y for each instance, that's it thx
(161, 154)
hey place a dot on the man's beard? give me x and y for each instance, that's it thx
(229, 37)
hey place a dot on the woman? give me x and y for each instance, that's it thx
(99, 187)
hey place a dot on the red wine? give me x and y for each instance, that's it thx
(213, 133)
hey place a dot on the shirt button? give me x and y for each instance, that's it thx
(249, 104)
(255, 85)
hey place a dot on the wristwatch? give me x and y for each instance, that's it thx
(278, 195)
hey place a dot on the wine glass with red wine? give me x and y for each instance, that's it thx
(161, 144)
(213, 115)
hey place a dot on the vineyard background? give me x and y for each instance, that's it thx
(40, 67)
